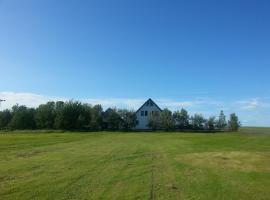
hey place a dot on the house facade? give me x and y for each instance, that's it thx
(144, 112)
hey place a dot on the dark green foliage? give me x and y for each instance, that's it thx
(111, 119)
(23, 118)
(221, 123)
(5, 118)
(154, 121)
(233, 123)
(161, 121)
(84, 116)
(181, 119)
(211, 123)
(198, 122)
(128, 119)
(74, 115)
(96, 120)
(166, 119)
(45, 116)
(59, 106)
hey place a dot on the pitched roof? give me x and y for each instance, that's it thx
(150, 100)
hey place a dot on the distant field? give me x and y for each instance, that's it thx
(135, 165)
(255, 130)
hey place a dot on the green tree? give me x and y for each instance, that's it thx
(166, 119)
(96, 122)
(181, 119)
(221, 123)
(72, 115)
(111, 119)
(5, 118)
(84, 117)
(22, 118)
(234, 123)
(211, 123)
(154, 121)
(198, 121)
(45, 116)
(129, 119)
(58, 121)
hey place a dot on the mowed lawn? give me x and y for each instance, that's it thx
(135, 165)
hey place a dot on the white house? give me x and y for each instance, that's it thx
(143, 113)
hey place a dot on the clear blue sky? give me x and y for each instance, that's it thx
(216, 52)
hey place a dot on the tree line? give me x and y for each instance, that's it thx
(74, 115)
(180, 120)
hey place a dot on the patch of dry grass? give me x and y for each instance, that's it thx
(232, 160)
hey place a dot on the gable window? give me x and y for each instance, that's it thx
(151, 103)
(146, 113)
(142, 113)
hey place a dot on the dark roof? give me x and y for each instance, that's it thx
(150, 100)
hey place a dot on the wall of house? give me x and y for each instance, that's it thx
(143, 120)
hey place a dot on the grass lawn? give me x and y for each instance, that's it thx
(135, 166)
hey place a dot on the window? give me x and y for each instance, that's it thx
(142, 113)
(146, 113)
(151, 104)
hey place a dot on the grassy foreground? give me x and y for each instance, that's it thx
(135, 166)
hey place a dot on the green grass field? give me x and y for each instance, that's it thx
(135, 165)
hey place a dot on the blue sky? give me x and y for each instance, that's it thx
(200, 55)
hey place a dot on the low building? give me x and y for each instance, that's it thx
(144, 112)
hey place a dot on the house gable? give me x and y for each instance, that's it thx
(149, 102)
(143, 113)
